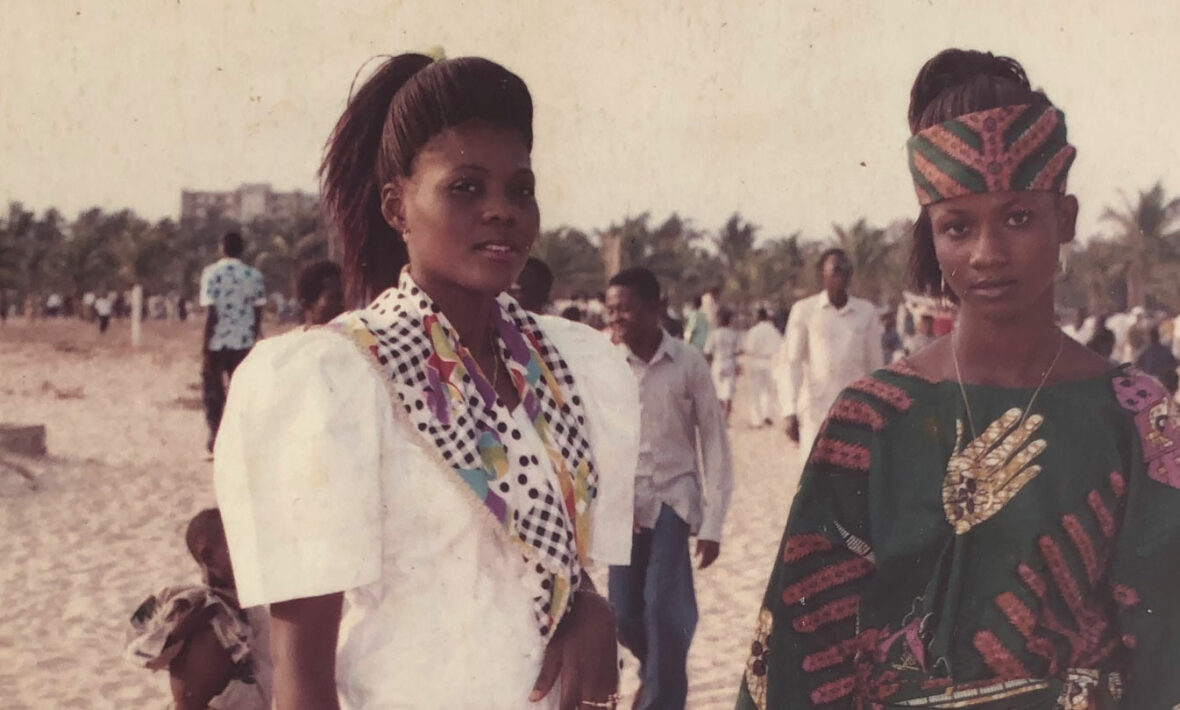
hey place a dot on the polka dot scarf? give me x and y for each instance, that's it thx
(543, 505)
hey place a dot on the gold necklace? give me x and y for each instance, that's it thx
(495, 361)
(983, 475)
(963, 390)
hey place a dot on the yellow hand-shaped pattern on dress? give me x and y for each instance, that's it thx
(983, 476)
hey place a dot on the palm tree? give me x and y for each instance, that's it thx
(777, 270)
(280, 257)
(869, 249)
(1147, 229)
(575, 262)
(735, 246)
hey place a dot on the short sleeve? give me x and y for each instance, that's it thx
(204, 297)
(610, 396)
(259, 294)
(1144, 576)
(296, 469)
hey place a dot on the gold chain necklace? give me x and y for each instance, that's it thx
(984, 474)
(963, 389)
(495, 361)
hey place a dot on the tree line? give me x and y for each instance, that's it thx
(1136, 262)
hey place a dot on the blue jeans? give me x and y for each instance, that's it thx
(656, 610)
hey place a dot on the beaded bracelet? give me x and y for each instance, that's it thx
(611, 702)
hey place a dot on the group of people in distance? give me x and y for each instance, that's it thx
(418, 489)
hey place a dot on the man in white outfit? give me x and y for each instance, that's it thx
(762, 343)
(832, 340)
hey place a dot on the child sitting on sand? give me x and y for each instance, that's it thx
(216, 653)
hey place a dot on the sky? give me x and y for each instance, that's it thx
(789, 113)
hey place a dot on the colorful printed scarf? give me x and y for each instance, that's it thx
(544, 506)
(1008, 148)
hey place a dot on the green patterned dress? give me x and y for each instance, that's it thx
(1036, 565)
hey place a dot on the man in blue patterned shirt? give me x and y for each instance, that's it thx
(233, 295)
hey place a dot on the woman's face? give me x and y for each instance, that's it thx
(467, 212)
(998, 250)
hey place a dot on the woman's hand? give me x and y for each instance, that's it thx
(583, 653)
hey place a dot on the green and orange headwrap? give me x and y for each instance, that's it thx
(1001, 149)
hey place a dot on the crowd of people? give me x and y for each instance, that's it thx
(415, 489)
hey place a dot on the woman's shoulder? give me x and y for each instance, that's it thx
(316, 358)
(578, 341)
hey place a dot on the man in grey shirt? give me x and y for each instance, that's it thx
(676, 495)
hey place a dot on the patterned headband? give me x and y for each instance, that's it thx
(1001, 149)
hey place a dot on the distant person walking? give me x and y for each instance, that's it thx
(833, 339)
(696, 328)
(763, 342)
(102, 309)
(722, 348)
(233, 295)
(677, 493)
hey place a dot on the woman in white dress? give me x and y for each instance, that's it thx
(416, 489)
(722, 348)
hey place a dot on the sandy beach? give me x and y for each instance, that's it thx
(127, 469)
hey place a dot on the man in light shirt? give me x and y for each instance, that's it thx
(676, 495)
(832, 340)
(762, 343)
(233, 295)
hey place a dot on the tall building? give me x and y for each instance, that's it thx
(245, 204)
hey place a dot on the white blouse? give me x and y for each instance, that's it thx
(324, 488)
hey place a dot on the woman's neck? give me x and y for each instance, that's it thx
(1014, 352)
(469, 312)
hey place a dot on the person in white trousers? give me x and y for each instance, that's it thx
(832, 340)
(762, 343)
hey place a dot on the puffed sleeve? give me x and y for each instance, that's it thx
(296, 469)
(1144, 574)
(610, 396)
(802, 655)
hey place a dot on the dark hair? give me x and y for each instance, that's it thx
(1170, 380)
(762, 314)
(536, 281)
(204, 529)
(1102, 341)
(310, 283)
(724, 316)
(640, 280)
(408, 100)
(232, 244)
(572, 313)
(828, 254)
(957, 82)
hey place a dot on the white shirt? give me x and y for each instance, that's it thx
(679, 411)
(723, 344)
(825, 350)
(762, 343)
(234, 290)
(324, 487)
(1082, 333)
(102, 306)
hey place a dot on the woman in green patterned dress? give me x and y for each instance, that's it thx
(993, 522)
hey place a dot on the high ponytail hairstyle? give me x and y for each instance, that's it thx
(409, 99)
(957, 82)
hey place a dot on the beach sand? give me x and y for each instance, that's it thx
(127, 469)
